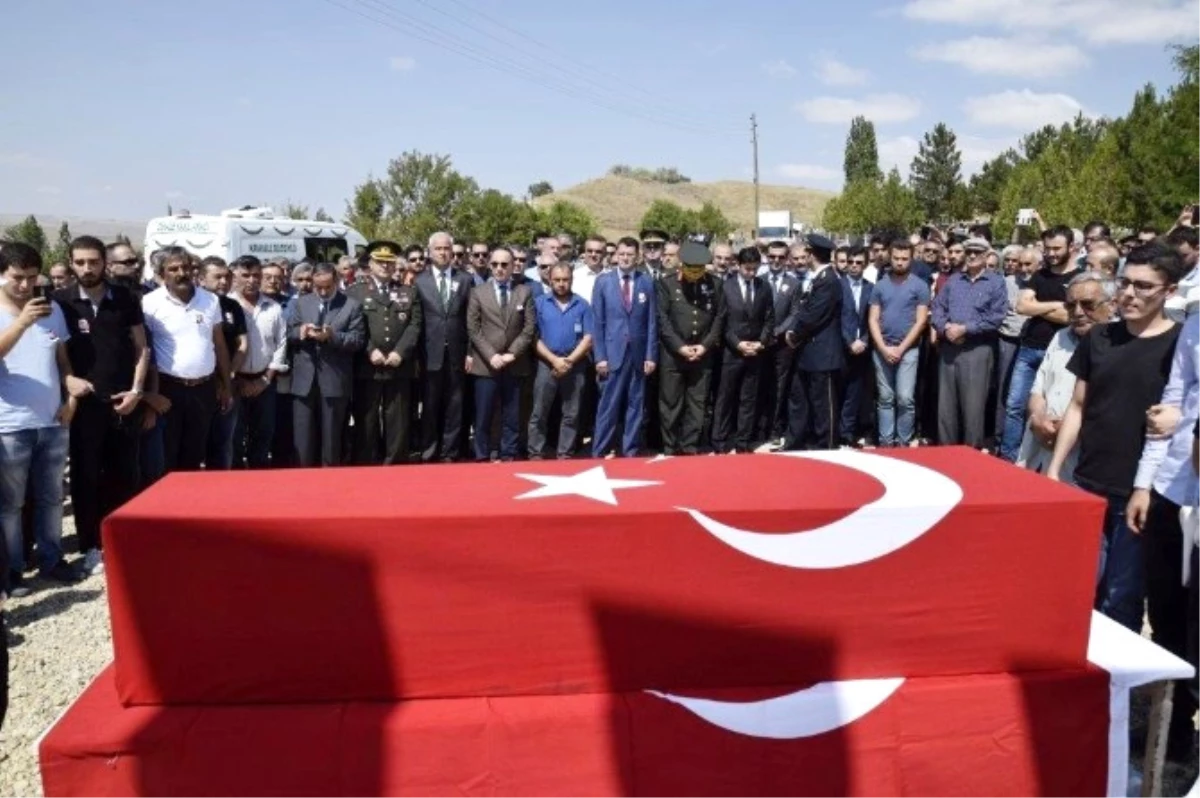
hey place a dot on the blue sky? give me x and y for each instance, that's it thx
(113, 109)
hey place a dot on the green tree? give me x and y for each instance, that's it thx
(493, 217)
(988, 182)
(711, 220)
(540, 189)
(861, 161)
(292, 210)
(936, 172)
(673, 219)
(421, 194)
(28, 231)
(62, 246)
(566, 217)
(322, 216)
(872, 204)
(365, 211)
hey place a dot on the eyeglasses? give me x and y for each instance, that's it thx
(478, 254)
(652, 245)
(415, 260)
(504, 263)
(857, 262)
(1141, 288)
(1088, 306)
(125, 262)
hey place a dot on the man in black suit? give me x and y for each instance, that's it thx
(816, 338)
(857, 375)
(326, 330)
(778, 362)
(444, 293)
(749, 330)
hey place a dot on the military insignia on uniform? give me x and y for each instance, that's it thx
(369, 302)
(402, 316)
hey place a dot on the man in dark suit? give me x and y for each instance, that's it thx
(749, 330)
(326, 330)
(385, 367)
(501, 324)
(691, 318)
(857, 374)
(816, 337)
(626, 347)
(444, 293)
(778, 363)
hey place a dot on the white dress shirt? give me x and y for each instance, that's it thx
(267, 332)
(583, 281)
(1166, 465)
(182, 335)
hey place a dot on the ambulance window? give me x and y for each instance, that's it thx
(324, 250)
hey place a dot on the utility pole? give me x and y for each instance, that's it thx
(754, 143)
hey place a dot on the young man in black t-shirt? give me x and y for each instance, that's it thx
(1042, 301)
(1121, 369)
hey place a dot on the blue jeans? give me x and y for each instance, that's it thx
(895, 402)
(34, 458)
(1020, 383)
(1120, 586)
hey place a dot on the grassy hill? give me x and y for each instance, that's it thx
(619, 202)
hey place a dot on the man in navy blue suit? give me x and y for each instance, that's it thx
(857, 373)
(816, 338)
(626, 348)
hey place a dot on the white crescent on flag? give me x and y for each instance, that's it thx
(805, 713)
(915, 499)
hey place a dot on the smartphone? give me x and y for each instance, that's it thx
(1025, 216)
(40, 292)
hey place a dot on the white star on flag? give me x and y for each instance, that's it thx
(592, 484)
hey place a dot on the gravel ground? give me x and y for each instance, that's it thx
(59, 639)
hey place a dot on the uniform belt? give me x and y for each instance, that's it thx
(184, 381)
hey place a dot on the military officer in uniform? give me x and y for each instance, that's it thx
(691, 319)
(385, 368)
(816, 338)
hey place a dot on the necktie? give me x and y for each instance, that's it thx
(749, 292)
(321, 315)
(444, 290)
(503, 295)
(627, 292)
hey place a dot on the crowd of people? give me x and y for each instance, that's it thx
(1074, 355)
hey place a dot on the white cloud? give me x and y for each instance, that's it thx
(897, 151)
(808, 171)
(779, 69)
(833, 72)
(52, 190)
(1015, 56)
(1096, 21)
(402, 63)
(875, 107)
(1022, 110)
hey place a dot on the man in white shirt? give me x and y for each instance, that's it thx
(266, 358)
(184, 323)
(1089, 302)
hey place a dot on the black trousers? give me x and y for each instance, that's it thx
(441, 414)
(858, 379)
(104, 465)
(185, 434)
(813, 410)
(381, 421)
(682, 396)
(737, 402)
(283, 444)
(778, 366)
(1172, 606)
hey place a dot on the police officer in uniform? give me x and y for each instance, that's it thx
(385, 368)
(691, 319)
(816, 338)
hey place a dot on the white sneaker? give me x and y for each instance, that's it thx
(93, 562)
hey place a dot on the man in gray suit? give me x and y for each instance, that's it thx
(501, 323)
(325, 330)
(443, 292)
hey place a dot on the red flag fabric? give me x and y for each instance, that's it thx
(595, 577)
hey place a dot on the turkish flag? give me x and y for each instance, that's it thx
(595, 576)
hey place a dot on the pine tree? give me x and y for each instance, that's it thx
(936, 172)
(861, 160)
(28, 231)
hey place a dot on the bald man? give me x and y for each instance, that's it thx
(1103, 257)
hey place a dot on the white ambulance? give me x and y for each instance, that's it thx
(253, 231)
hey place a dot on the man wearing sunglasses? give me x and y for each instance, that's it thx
(653, 247)
(478, 265)
(123, 267)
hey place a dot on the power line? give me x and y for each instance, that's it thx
(445, 40)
